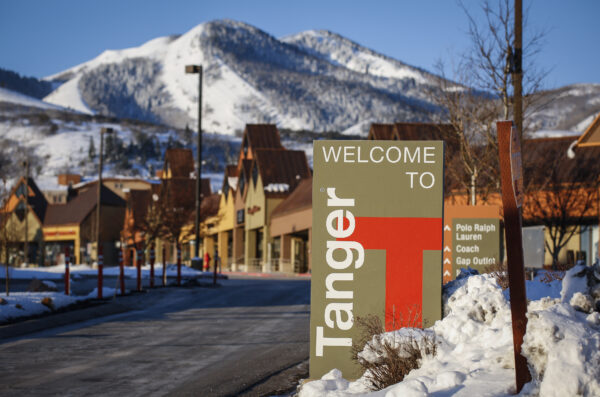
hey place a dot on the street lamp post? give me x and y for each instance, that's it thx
(198, 69)
(26, 242)
(104, 130)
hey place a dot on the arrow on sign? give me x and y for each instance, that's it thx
(447, 249)
(447, 273)
(457, 272)
(447, 261)
(447, 228)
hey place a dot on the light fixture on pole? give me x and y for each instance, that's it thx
(198, 69)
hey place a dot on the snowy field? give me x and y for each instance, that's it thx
(475, 348)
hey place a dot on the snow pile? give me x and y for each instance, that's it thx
(19, 304)
(562, 343)
(475, 347)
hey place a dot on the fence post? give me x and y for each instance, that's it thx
(178, 265)
(100, 270)
(67, 271)
(152, 266)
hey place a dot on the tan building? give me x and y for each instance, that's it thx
(291, 231)
(274, 174)
(22, 220)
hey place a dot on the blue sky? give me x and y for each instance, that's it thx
(43, 37)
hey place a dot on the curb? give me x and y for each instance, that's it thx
(271, 275)
(60, 319)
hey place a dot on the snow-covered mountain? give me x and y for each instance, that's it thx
(314, 80)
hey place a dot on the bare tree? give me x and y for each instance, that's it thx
(152, 223)
(561, 193)
(479, 92)
(9, 232)
(177, 207)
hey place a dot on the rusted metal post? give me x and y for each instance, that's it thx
(100, 271)
(67, 271)
(164, 260)
(178, 265)
(121, 272)
(152, 266)
(509, 147)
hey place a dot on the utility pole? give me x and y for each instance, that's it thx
(198, 69)
(517, 68)
(99, 197)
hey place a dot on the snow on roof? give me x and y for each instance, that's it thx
(232, 181)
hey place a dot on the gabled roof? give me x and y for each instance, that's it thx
(424, 132)
(544, 155)
(278, 168)
(180, 161)
(230, 179)
(382, 132)
(205, 189)
(76, 210)
(138, 202)
(591, 136)
(301, 198)
(180, 192)
(35, 198)
(262, 136)
(231, 170)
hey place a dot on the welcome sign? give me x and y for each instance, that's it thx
(377, 242)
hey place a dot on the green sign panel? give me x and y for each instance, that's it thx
(376, 242)
(475, 243)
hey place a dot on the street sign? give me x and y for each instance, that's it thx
(471, 238)
(376, 242)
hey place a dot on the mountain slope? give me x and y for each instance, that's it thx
(314, 80)
(250, 76)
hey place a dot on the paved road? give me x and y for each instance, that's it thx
(176, 341)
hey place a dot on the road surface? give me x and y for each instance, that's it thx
(233, 340)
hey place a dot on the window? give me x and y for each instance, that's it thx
(226, 189)
(21, 190)
(255, 174)
(242, 183)
(240, 216)
(259, 243)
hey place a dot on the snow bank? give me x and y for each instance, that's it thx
(475, 351)
(20, 304)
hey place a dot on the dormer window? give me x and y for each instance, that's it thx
(22, 190)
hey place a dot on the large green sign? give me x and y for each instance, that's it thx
(376, 242)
